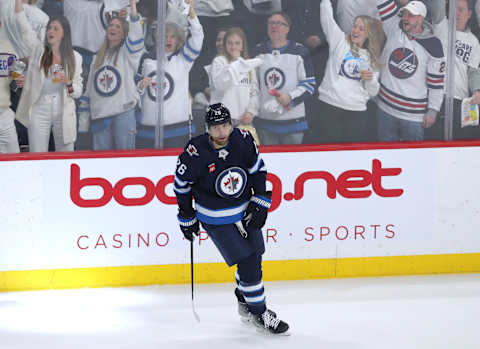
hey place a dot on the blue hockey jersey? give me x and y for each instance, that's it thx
(221, 181)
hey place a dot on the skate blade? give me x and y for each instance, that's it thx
(262, 330)
(267, 333)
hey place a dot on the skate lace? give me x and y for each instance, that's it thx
(270, 321)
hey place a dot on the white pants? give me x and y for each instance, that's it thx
(8, 133)
(46, 117)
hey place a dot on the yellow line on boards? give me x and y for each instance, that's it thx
(23, 280)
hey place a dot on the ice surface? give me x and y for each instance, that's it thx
(437, 311)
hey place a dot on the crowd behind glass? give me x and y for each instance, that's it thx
(82, 74)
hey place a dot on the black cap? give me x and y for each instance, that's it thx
(217, 114)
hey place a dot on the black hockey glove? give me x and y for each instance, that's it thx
(188, 224)
(256, 213)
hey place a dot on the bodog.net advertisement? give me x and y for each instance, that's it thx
(100, 212)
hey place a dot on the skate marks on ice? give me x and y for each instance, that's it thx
(400, 312)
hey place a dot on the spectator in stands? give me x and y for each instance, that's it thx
(412, 81)
(351, 77)
(53, 80)
(467, 62)
(37, 19)
(286, 80)
(111, 87)
(179, 61)
(233, 80)
(251, 15)
(201, 82)
(213, 14)
(8, 133)
(88, 20)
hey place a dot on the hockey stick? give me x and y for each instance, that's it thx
(191, 242)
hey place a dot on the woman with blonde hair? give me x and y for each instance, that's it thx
(351, 76)
(111, 89)
(233, 80)
(52, 82)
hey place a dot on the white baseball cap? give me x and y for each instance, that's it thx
(416, 8)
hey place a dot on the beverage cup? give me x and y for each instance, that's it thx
(17, 69)
(57, 69)
(364, 68)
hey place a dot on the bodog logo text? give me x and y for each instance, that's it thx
(351, 184)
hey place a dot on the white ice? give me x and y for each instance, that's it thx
(436, 311)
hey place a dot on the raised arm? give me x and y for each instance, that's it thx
(387, 11)
(28, 35)
(331, 29)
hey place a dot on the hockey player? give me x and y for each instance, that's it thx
(412, 80)
(223, 171)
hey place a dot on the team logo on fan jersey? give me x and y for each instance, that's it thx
(274, 78)
(231, 182)
(402, 63)
(6, 61)
(168, 86)
(107, 81)
(350, 67)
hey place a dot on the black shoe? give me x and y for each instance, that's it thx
(268, 323)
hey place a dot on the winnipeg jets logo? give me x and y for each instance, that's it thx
(274, 78)
(191, 150)
(350, 67)
(222, 154)
(107, 81)
(231, 182)
(403, 63)
(168, 86)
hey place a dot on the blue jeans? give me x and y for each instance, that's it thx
(120, 134)
(391, 129)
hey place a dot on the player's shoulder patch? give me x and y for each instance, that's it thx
(194, 147)
(191, 150)
(433, 46)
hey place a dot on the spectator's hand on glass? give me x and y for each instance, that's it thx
(475, 97)
(284, 99)
(246, 118)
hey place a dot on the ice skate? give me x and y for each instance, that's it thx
(269, 324)
(243, 307)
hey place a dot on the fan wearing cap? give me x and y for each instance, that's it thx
(223, 172)
(412, 80)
